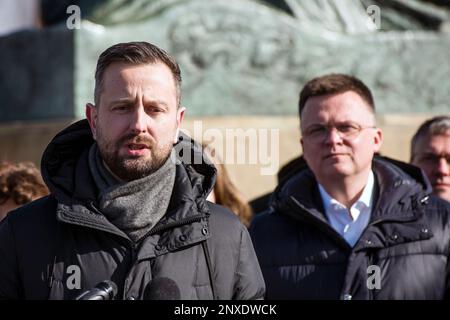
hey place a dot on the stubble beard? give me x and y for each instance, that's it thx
(130, 168)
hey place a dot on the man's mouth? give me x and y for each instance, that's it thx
(441, 184)
(136, 149)
(137, 146)
(332, 155)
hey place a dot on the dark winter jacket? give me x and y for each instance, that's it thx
(406, 244)
(61, 245)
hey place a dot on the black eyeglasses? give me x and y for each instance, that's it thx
(318, 132)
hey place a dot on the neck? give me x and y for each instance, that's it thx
(346, 190)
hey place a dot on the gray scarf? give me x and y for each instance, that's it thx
(135, 206)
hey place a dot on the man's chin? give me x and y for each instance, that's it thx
(138, 164)
(442, 192)
(139, 167)
(131, 168)
(337, 169)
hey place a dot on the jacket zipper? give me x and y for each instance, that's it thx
(172, 225)
(322, 225)
(135, 246)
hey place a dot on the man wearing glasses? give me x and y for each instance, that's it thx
(351, 225)
(430, 150)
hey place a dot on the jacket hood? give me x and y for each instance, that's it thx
(65, 166)
(400, 187)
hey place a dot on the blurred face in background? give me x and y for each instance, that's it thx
(20, 183)
(432, 154)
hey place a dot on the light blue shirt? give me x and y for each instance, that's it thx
(350, 225)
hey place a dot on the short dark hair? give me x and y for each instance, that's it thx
(135, 53)
(439, 125)
(334, 84)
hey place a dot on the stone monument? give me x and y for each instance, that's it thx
(237, 56)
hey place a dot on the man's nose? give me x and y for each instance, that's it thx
(332, 136)
(443, 167)
(139, 121)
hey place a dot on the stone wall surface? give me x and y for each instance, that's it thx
(238, 57)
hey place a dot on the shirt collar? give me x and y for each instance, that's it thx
(365, 198)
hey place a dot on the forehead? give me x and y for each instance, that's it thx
(346, 106)
(120, 78)
(439, 143)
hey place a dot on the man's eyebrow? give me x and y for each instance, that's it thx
(428, 153)
(314, 125)
(334, 123)
(156, 102)
(147, 102)
(122, 100)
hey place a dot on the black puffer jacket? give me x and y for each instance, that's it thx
(408, 238)
(60, 245)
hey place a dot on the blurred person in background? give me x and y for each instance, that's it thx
(225, 192)
(261, 203)
(430, 150)
(20, 183)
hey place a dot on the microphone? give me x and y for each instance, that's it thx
(162, 289)
(105, 290)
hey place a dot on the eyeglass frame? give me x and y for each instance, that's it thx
(307, 135)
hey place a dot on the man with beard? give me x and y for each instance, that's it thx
(124, 205)
(430, 150)
(350, 224)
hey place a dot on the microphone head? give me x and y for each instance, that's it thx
(109, 287)
(162, 289)
(105, 290)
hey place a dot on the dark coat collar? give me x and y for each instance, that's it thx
(65, 170)
(400, 189)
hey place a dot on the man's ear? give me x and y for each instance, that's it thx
(180, 117)
(91, 116)
(378, 140)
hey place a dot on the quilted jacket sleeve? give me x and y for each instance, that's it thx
(249, 280)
